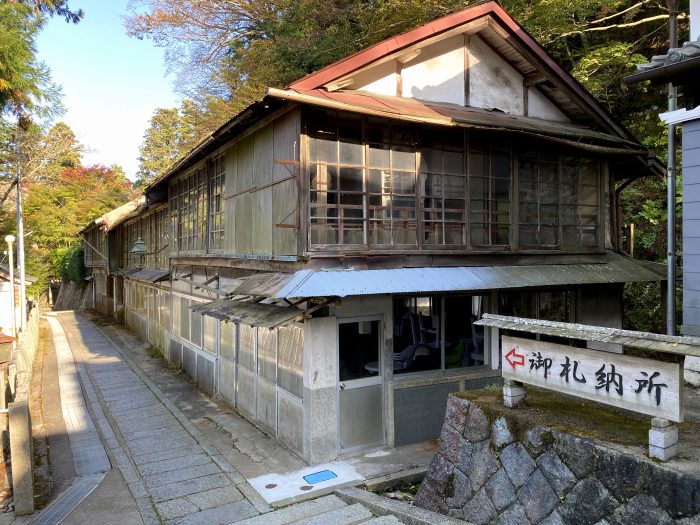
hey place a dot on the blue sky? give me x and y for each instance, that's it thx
(111, 83)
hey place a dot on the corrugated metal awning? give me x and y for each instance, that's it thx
(265, 284)
(254, 314)
(125, 272)
(343, 283)
(150, 276)
(672, 344)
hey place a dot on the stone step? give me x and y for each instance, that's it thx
(382, 520)
(350, 515)
(405, 512)
(297, 512)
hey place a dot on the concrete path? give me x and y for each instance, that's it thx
(172, 476)
(177, 456)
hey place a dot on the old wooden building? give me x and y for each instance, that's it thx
(319, 260)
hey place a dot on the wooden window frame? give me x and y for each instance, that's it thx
(217, 203)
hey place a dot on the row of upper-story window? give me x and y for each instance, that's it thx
(379, 184)
(95, 247)
(196, 209)
(153, 229)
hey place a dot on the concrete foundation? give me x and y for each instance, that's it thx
(320, 390)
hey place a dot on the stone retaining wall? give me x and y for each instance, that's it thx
(500, 473)
(71, 296)
(23, 357)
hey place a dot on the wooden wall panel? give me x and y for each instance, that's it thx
(285, 197)
(262, 198)
(243, 203)
(231, 167)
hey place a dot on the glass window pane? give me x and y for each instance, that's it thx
(267, 353)
(321, 150)
(196, 329)
(350, 179)
(290, 371)
(403, 159)
(246, 348)
(184, 318)
(359, 346)
(379, 157)
(351, 153)
(323, 178)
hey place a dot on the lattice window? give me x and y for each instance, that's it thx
(216, 204)
(189, 211)
(443, 188)
(489, 192)
(558, 201)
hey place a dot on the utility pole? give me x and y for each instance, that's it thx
(21, 121)
(671, 182)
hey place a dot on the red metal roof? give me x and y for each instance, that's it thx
(395, 43)
(493, 10)
(442, 114)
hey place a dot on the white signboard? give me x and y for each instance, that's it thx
(633, 383)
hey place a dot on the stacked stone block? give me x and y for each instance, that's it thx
(496, 472)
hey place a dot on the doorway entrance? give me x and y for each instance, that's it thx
(360, 384)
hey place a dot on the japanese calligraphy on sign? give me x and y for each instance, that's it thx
(633, 383)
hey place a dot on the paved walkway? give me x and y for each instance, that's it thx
(171, 449)
(171, 472)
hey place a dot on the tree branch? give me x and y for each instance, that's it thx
(604, 19)
(681, 16)
(7, 191)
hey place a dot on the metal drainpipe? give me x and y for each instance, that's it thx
(671, 183)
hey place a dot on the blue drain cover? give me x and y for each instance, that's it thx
(318, 477)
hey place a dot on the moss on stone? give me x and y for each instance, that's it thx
(450, 487)
(568, 414)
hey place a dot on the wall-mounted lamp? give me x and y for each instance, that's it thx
(139, 247)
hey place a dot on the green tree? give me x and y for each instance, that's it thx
(55, 213)
(23, 81)
(161, 144)
(55, 7)
(43, 155)
(171, 133)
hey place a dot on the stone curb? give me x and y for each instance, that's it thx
(405, 512)
(381, 483)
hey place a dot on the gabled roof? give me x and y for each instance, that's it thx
(492, 24)
(501, 32)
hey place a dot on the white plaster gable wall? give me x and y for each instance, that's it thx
(493, 83)
(380, 79)
(437, 74)
(541, 107)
